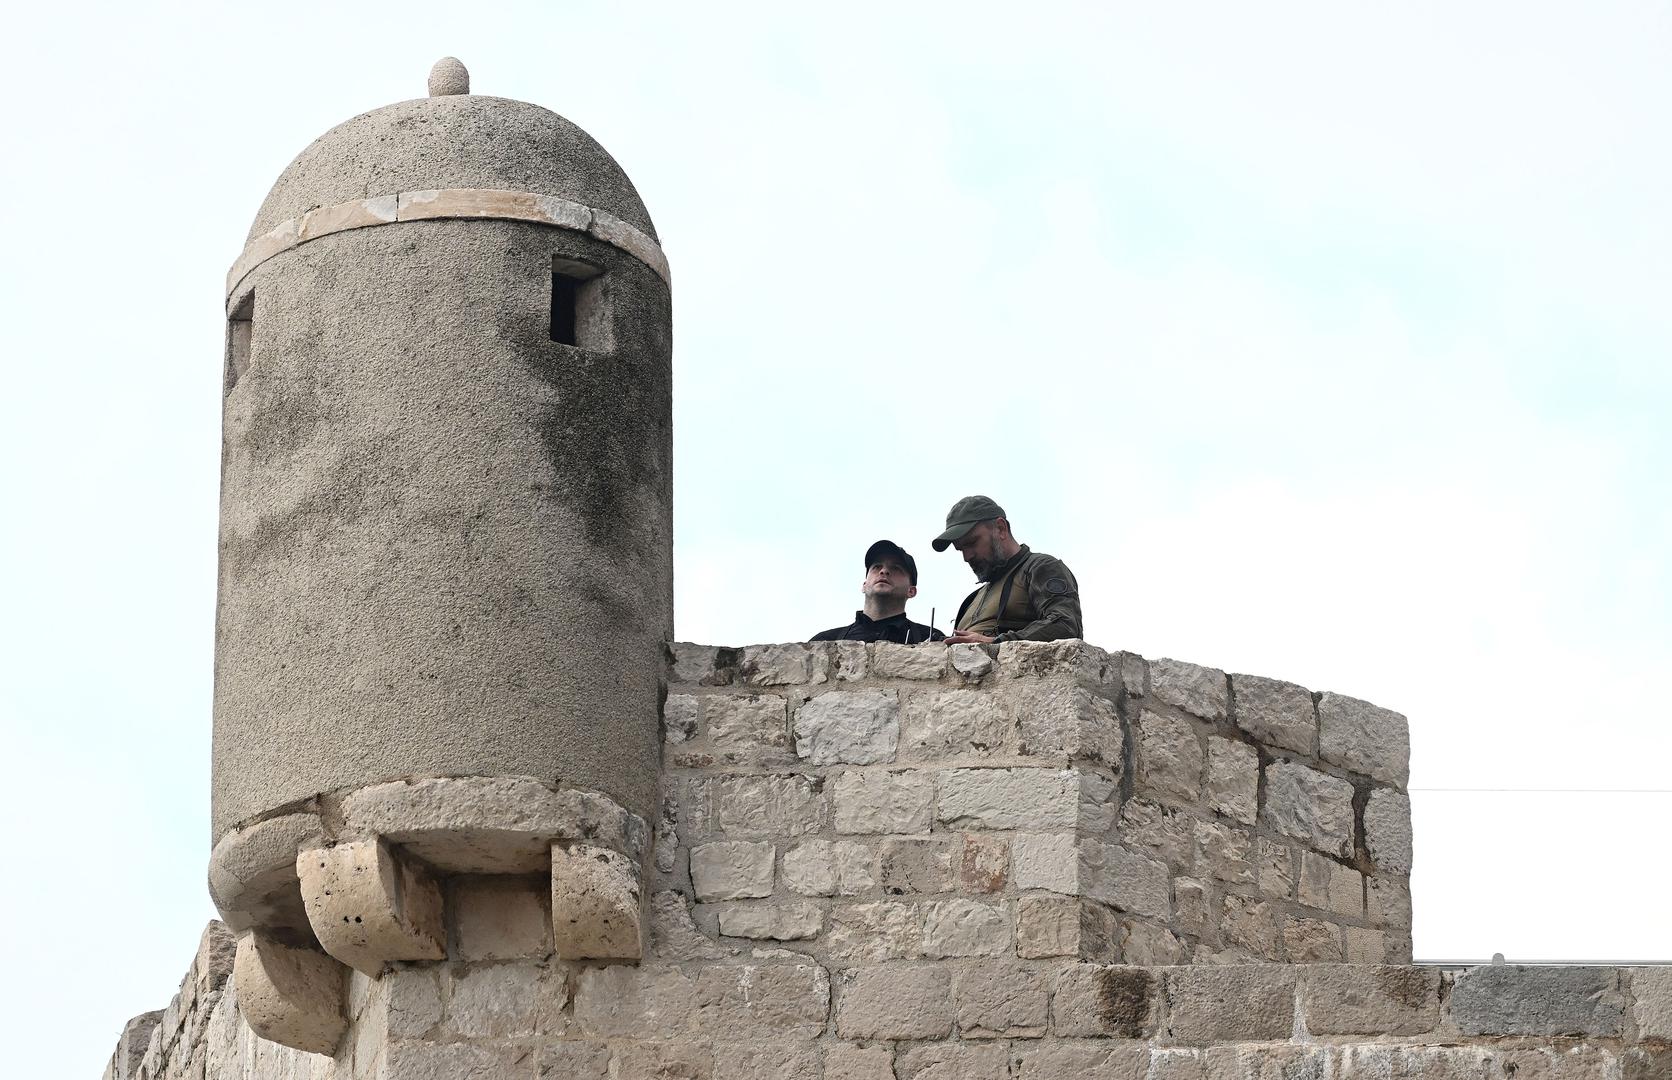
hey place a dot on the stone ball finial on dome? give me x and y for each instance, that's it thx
(448, 77)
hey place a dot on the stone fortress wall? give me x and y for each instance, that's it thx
(1027, 861)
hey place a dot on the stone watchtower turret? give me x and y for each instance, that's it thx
(445, 549)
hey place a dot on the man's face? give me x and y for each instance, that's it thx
(888, 579)
(980, 549)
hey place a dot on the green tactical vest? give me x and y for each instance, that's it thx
(999, 605)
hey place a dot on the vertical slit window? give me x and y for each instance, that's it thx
(240, 334)
(580, 315)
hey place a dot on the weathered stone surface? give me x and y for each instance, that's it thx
(1224, 853)
(793, 921)
(1098, 1000)
(758, 1001)
(620, 1001)
(884, 802)
(695, 665)
(749, 727)
(1037, 799)
(1066, 926)
(970, 661)
(1637, 1063)
(848, 1061)
(1148, 943)
(1066, 721)
(891, 661)
(369, 905)
(914, 866)
(1511, 999)
(953, 1061)
(780, 1060)
(888, 930)
(1000, 1000)
(1200, 691)
(1377, 1001)
(1651, 1011)
(1169, 757)
(784, 665)
(673, 934)
(1190, 906)
(1059, 1059)
(1047, 861)
(731, 870)
(853, 727)
(248, 864)
(1312, 807)
(499, 918)
(823, 868)
(493, 1000)
(1233, 779)
(1276, 713)
(983, 863)
(1366, 946)
(1251, 925)
(955, 723)
(782, 805)
(1387, 830)
(1163, 831)
(681, 718)
(896, 1001)
(851, 659)
(1241, 1003)
(965, 928)
(596, 903)
(1364, 738)
(1275, 868)
(686, 1059)
(290, 996)
(1328, 885)
(1312, 941)
(1129, 881)
(575, 1060)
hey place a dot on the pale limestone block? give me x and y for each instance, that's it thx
(597, 910)
(564, 213)
(1197, 690)
(954, 723)
(891, 661)
(914, 866)
(1233, 783)
(1512, 999)
(1276, 713)
(753, 725)
(1102, 1059)
(1388, 903)
(573, 1061)
(786, 921)
(1243, 1003)
(435, 1061)
(325, 220)
(764, 1001)
(612, 230)
(778, 1060)
(731, 870)
(809, 869)
(999, 999)
(888, 930)
(680, 715)
(1312, 941)
(1387, 830)
(290, 996)
(1047, 926)
(1099, 1000)
(674, 936)
(1134, 674)
(1188, 1064)
(1312, 807)
(1148, 944)
(852, 727)
(1365, 738)
(694, 665)
(468, 203)
(620, 1001)
(369, 905)
(784, 665)
(500, 918)
(896, 1001)
(884, 802)
(1047, 861)
(1162, 831)
(770, 806)
(1129, 881)
(1069, 658)
(1169, 757)
(1651, 992)
(970, 661)
(493, 1000)
(965, 928)
(1365, 946)
(1276, 868)
(983, 863)
(1190, 906)
(247, 865)
(1251, 925)
(1066, 721)
(953, 1061)
(849, 1061)
(1329, 886)
(413, 1001)
(1224, 853)
(1350, 999)
(1036, 799)
(852, 662)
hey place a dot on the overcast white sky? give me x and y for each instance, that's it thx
(1322, 343)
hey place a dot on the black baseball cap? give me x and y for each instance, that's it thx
(884, 549)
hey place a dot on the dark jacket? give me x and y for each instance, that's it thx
(1033, 597)
(895, 628)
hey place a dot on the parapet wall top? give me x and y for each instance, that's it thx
(449, 77)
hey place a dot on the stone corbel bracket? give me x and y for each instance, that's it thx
(359, 885)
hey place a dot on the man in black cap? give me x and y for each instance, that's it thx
(1025, 595)
(890, 580)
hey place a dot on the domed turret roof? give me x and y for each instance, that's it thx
(452, 140)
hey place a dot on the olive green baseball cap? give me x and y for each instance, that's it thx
(965, 515)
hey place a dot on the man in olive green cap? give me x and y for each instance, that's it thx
(1024, 596)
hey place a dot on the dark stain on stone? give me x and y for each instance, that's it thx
(1123, 1001)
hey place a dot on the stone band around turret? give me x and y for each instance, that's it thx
(448, 203)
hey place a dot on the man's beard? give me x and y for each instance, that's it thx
(985, 568)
